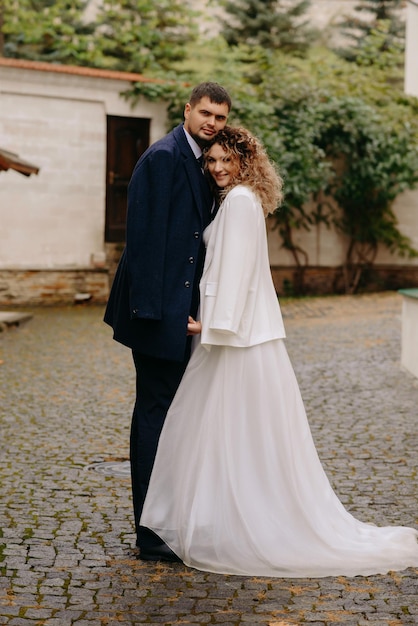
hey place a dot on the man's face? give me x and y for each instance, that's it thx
(205, 119)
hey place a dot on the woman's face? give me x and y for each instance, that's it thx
(223, 167)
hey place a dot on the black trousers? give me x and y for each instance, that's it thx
(156, 384)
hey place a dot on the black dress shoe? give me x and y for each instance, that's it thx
(159, 553)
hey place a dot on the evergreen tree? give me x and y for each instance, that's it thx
(271, 24)
(144, 35)
(373, 16)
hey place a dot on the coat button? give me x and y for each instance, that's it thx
(187, 283)
(191, 259)
(196, 235)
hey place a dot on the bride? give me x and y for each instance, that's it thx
(237, 486)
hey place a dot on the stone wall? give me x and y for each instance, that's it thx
(317, 280)
(49, 287)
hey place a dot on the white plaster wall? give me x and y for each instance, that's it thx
(327, 248)
(55, 218)
(406, 211)
(324, 247)
(83, 88)
(411, 52)
(409, 338)
(58, 122)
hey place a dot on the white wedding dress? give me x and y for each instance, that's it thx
(238, 488)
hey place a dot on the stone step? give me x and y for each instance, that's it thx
(10, 319)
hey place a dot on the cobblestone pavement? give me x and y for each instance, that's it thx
(67, 554)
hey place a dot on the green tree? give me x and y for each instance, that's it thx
(128, 35)
(47, 30)
(272, 24)
(351, 158)
(382, 16)
(372, 163)
(144, 35)
(344, 137)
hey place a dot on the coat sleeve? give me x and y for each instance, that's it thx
(149, 200)
(238, 253)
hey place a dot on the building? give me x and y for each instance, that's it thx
(61, 228)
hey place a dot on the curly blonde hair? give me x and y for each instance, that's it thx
(256, 170)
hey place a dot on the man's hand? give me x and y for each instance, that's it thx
(193, 327)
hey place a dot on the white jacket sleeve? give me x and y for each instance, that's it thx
(237, 250)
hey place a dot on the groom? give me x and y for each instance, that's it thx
(156, 287)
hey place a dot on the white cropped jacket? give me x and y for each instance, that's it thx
(238, 301)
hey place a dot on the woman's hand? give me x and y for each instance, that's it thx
(193, 327)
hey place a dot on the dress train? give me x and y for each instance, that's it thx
(238, 488)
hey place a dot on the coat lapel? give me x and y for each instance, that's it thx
(198, 182)
(215, 235)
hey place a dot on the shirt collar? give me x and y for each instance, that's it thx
(197, 150)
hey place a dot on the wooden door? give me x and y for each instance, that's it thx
(127, 139)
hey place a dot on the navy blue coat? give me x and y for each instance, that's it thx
(157, 281)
